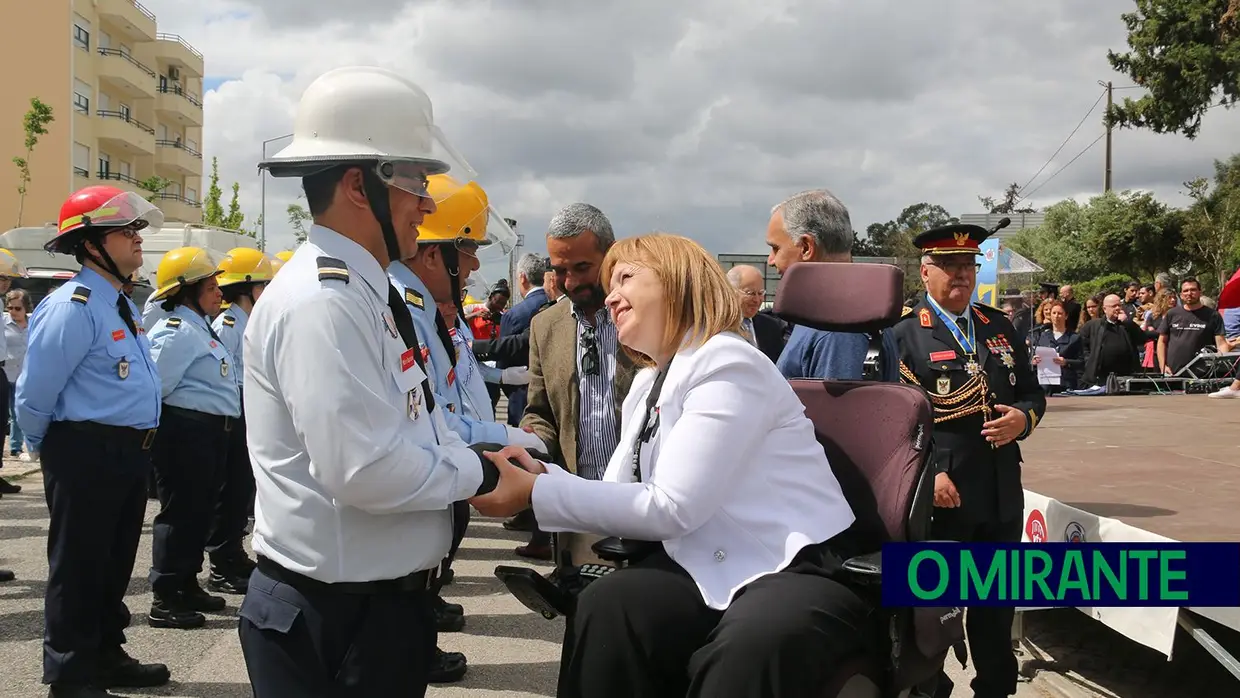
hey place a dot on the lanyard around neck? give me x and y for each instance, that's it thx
(967, 339)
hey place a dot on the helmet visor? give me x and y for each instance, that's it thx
(410, 174)
(489, 238)
(10, 266)
(121, 211)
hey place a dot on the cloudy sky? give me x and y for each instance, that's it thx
(696, 116)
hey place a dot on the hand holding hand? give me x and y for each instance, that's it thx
(1007, 427)
(521, 457)
(945, 494)
(511, 495)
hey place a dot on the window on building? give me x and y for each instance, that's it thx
(125, 169)
(105, 166)
(81, 96)
(191, 194)
(81, 160)
(81, 32)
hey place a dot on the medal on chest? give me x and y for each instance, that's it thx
(973, 367)
(1002, 349)
(413, 408)
(224, 368)
(122, 369)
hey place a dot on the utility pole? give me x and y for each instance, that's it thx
(1106, 179)
(512, 262)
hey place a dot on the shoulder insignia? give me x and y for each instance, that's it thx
(332, 269)
(415, 299)
(81, 294)
(980, 315)
(229, 321)
(174, 322)
(906, 312)
(924, 316)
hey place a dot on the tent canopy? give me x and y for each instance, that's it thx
(1010, 262)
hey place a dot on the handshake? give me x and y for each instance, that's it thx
(508, 474)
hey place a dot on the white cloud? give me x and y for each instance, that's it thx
(697, 116)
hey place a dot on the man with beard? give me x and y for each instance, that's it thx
(578, 374)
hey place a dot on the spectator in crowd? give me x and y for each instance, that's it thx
(1145, 294)
(16, 326)
(531, 271)
(1110, 343)
(1021, 314)
(1150, 319)
(1072, 307)
(1066, 343)
(1161, 281)
(1187, 329)
(1132, 300)
(766, 332)
(554, 294)
(1092, 310)
(1231, 332)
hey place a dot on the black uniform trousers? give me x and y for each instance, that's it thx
(226, 541)
(94, 479)
(190, 455)
(316, 643)
(989, 629)
(644, 632)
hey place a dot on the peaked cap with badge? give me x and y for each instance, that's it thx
(956, 238)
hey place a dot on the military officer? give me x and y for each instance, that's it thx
(986, 398)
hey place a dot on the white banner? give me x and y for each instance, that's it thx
(1051, 521)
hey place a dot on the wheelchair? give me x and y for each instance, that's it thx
(877, 438)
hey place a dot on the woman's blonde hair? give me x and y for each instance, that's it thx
(698, 299)
(1164, 300)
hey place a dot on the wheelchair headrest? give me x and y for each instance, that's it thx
(841, 297)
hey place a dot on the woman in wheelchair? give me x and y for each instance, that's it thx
(720, 474)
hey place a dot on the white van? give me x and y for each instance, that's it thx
(48, 270)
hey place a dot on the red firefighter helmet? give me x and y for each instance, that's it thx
(100, 207)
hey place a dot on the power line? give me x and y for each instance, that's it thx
(1066, 166)
(1061, 145)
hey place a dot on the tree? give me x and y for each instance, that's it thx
(1132, 233)
(1212, 222)
(895, 238)
(154, 184)
(212, 210)
(1060, 244)
(235, 217)
(299, 216)
(35, 123)
(1009, 204)
(1183, 52)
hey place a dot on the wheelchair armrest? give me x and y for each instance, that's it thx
(613, 549)
(866, 569)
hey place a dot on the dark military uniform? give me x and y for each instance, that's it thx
(964, 384)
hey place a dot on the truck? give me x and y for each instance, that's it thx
(47, 270)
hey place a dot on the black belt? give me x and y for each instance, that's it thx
(215, 420)
(142, 437)
(416, 581)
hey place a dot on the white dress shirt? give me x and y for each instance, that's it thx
(355, 477)
(734, 483)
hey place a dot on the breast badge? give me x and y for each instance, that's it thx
(122, 369)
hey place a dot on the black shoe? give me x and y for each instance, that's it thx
(174, 613)
(449, 667)
(122, 671)
(228, 583)
(447, 577)
(449, 617)
(7, 487)
(523, 521)
(196, 598)
(77, 691)
(7, 576)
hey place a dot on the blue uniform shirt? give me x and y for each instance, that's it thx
(230, 326)
(444, 380)
(195, 370)
(83, 364)
(473, 375)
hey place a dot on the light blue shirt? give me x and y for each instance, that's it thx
(472, 375)
(152, 313)
(83, 364)
(195, 369)
(445, 382)
(230, 327)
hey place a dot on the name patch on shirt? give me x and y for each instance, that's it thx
(942, 355)
(118, 335)
(406, 360)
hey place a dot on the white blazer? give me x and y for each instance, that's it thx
(734, 484)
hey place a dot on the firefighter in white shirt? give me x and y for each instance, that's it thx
(356, 470)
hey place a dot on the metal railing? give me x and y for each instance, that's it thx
(178, 145)
(81, 172)
(118, 177)
(124, 116)
(149, 15)
(177, 38)
(178, 198)
(126, 56)
(178, 90)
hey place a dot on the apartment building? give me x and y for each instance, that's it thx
(127, 101)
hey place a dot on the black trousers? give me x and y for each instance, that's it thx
(226, 541)
(989, 629)
(189, 456)
(332, 645)
(95, 486)
(644, 632)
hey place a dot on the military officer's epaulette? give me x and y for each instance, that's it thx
(414, 298)
(81, 294)
(332, 269)
(229, 321)
(174, 321)
(906, 312)
(981, 310)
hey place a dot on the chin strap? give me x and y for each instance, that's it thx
(104, 260)
(381, 208)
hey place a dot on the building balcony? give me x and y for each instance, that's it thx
(124, 74)
(81, 178)
(178, 209)
(178, 52)
(177, 158)
(118, 131)
(121, 181)
(175, 104)
(130, 17)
